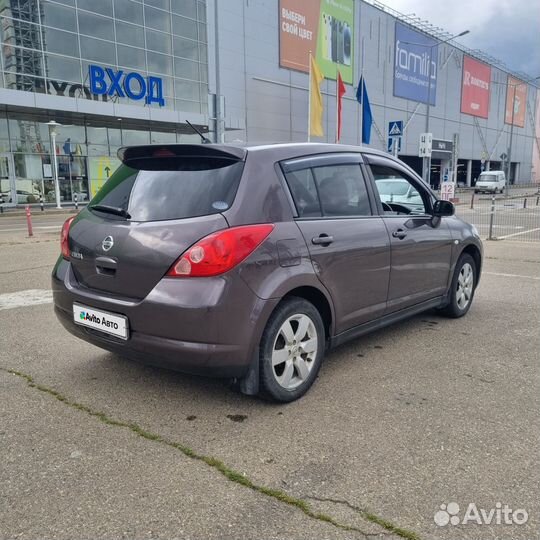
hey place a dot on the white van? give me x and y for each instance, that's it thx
(490, 182)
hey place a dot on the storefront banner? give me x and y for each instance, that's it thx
(536, 143)
(416, 58)
(516, 91)
(475, 87)
(101, 169)
(324, 27)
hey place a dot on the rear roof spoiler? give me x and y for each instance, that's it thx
(179, 156)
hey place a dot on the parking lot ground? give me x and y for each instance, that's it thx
(400, 422)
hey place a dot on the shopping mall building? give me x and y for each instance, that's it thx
(125, 72)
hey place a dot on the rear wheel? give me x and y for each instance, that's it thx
(462, 289)
(291, 350)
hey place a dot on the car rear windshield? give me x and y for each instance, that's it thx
(156, 195)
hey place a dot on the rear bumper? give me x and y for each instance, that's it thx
(204, 326)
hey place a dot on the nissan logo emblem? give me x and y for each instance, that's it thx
(108, 243)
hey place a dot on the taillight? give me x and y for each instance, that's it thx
(218, 252)
(64, 244)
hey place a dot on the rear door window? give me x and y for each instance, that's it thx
(336, 190)
(342, 190)
(156, 195)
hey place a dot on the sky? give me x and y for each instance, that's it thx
(509, 30)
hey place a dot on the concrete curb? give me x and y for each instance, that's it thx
(36, 211)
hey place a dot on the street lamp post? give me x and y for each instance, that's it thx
(53, 133)
(426, 164)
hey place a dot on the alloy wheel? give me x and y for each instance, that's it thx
(465, 286)
(294, 351)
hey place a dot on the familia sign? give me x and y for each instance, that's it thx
(415, 65)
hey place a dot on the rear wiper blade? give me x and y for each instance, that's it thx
(111, 210)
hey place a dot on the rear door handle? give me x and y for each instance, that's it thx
(322, 240)
(399, 233)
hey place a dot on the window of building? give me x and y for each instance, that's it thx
(201, 11)
(97, 50)
(157, 19)
(162, 4)
(58, 16)
(159, 63)
(103, 7)
(186, 69)
(128, 10)
(61, 68)
(187, 106)
(129, 34)
(186, 89)
(186, 48)
(187, 8)
(95, 26)
(158, 41)
(131, 57)
(97, 135)
(57, 41)
(184, 27)
(163, 137)
(202, 33)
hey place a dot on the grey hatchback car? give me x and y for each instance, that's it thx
(251, 262)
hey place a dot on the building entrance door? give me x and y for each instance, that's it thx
(7, 180)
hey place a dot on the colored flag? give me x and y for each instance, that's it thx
(315, 100)
(340, 92)
(367, 118)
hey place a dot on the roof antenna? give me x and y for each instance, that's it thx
(205, 140)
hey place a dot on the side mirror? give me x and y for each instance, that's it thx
(443, 209)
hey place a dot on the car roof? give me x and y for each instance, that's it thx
(277, 152)
(309, 148)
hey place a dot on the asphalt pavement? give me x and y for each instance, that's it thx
(426, 413)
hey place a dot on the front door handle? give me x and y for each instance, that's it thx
(399, 233)
(322, 240)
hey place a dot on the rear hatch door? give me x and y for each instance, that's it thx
(160, 201)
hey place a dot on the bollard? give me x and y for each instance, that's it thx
(76, 201)
(41, 203)
(491, 215)
(472, 201)
(537, 199)
(2, 204)
(525, 202)
(29, 221)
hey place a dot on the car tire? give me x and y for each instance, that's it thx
(463, 287)
(291, 350)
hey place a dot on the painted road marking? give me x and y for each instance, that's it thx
(29, 297)
(38, 227)
(518, 233)
(510, 275)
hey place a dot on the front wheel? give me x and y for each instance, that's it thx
(291, 350)
(462, 288)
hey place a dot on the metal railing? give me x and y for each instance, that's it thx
(514, 218)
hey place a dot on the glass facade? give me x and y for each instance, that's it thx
(86, 157)
(47, 46)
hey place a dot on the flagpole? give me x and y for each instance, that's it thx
(337, 104)
(309, 102)
(362, 97)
